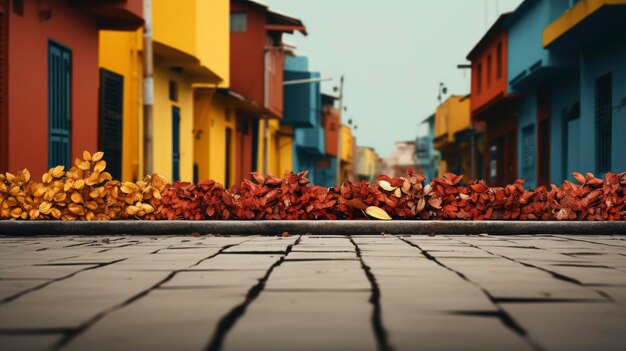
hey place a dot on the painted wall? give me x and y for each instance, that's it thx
(280, 146)
(527, 110)
(452, 115)
(367, 163)
(565, 94)
(174, 24)
(212, 115)
(494, 86)
(213, 38)
(163, 122)
(330, 121)
(247, 53)
(28, 62)
(120, 53)
(604, 57)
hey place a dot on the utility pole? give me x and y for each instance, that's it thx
(148, 89)
(339, 131)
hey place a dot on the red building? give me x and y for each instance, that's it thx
(492, 104)
(49, 77)
(257, 58)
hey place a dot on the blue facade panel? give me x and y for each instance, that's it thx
(527, 110)
(565, 127)
(302, 101)
(600, 59)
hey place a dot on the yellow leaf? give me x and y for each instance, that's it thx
(377, 213)
(86, 155)
(56, 213)
(386, 186)
(398, 192)
(97, 156)
(45, 207)
(100, 166)
(79, 184)
(77, 198)
(84, 165)
(46, 178)
(58, 171)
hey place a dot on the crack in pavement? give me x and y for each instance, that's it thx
(554, 274)
(377, 324)
(228, 321)
(500, 313)
(43, 285)
(74, 333)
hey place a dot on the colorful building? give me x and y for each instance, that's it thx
(494, 105)
(367, 164)
(401, 159)
(452, 126)
(257, 56)
(565, 66)
(427, 156)
(588, 94)
(346, 150)
(314, 121)
(55, 45)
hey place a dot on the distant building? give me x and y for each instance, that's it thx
(367, 163)
(401, 159)
(427, 156)
(455, 138)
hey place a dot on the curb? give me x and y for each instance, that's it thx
(339, 227)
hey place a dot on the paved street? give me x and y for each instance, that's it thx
(313, 293)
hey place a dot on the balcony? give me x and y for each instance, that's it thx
(587, 20)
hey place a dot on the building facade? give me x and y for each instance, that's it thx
(53, 43)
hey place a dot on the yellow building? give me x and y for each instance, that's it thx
(452, 125)
(368, 162)
(346, 154)
(280, 146)
(120, 57)
(191, 61)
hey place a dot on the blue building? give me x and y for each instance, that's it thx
(566, 69)
(427, 156)
(303, 110)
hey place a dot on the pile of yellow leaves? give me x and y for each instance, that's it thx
(85, 192)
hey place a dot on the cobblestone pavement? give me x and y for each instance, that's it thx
(313, 293)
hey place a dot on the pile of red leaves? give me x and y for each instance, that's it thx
(292, 197)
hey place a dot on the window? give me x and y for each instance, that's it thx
(111, 118)
(603, 119)
(571, 136)
(488, 71)
(59, 104)
(479, 78)
(175, 143)
(18, 7)
(499, 61)
(528, 152)
(238, 22)
(173, 91)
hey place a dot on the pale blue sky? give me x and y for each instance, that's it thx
(393, 53)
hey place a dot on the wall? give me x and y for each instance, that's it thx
(163, 123)
(212, 115)
(346, 144)
(247, 54)
(565, 93)
(527, 109)
(174, 24)
(120, 53)
(603, 57)
(213, 40)
(498, 86)
(28, 62)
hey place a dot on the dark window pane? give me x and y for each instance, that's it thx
(603, 119)
(238, 22)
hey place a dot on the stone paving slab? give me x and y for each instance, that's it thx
(312, 292)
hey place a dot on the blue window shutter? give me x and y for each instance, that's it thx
(175, 143)
(59, 104)
(111, 118)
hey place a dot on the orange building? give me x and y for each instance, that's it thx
(49, 98)
(493, 105)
